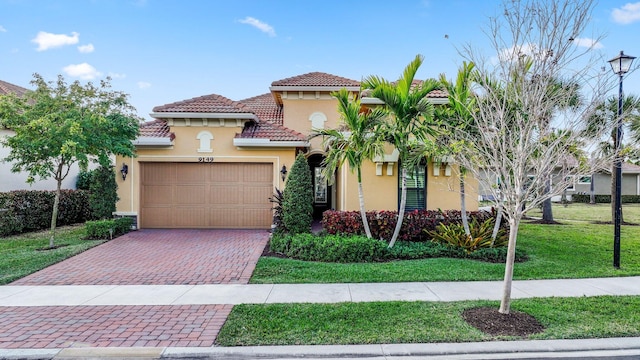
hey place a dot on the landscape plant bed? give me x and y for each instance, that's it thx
(424, 322)
(574, 250)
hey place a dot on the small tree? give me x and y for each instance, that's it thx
(297, 203)
(60, 124)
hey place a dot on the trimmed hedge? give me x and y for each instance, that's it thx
(604, 199)
(415, 224)
(107, 229)
(25, 211)
(357, 249)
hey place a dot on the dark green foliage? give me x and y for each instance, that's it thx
(107, 229)
(103, 192)
(297, 204)
(84, 180)
(330, 248)
(357, 249)
(31, 210)
(604, 199)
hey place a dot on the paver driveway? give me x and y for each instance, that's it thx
(145, 257)
(161, 257)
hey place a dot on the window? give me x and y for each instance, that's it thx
(584, 179)
(416, 189)
(320, 187)
(571, 184)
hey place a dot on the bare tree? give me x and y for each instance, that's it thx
(535, 47)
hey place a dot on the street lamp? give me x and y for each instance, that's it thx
(620, 66)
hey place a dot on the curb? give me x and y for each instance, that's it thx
(477, 350)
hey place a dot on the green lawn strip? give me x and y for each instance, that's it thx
(421, 322)
(22, 255)
(590, 212)
(556, 251)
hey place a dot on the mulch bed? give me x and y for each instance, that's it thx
(490, 321)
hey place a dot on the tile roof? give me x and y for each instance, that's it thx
(156, 128)
(7, 88)
(205, 104)
(316, 79)
(265, 107)
(271, 131)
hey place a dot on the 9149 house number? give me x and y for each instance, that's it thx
(208, 159)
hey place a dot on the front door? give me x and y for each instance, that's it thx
(321, 187)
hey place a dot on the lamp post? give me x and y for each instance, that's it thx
(620, 66)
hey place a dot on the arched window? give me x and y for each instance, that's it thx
(205, 138)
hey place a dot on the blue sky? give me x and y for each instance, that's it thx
(161, 51)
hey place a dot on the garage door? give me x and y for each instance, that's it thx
(206, 195)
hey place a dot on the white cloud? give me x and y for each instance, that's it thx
(47, 40)
(588, 43)
(144, 85)
(83, 71)
(117, 75)
(85, 49)
(2, 29)
(627, 14)
(264, 27)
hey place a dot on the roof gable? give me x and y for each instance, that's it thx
(204, 104)
(8, 88)
(314, 79)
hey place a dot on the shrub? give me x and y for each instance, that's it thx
(604, 199)
(103, 192)
(453, 234)
(297, 203)
(83, 182)
(107, 229)
(329, 248)
(276, 199)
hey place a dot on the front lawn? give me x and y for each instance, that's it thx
(21, 254)
(421, 322)
(590, 213)
(574, 250)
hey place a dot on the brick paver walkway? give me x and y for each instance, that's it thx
(110, 326)
(161, 257)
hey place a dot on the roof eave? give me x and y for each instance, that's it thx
(152, 141)
(243, 142)
(376, 101)
(313, 88)
(198, 115)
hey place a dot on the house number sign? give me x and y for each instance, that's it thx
(208, 159)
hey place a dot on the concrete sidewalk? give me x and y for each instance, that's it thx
(38, 299)
(94, 295)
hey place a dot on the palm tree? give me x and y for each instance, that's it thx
(459, 118)
(412, 122)
(606, 117)
(356, 141)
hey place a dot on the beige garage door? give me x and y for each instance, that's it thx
(206, 195)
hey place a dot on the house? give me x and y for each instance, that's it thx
(211, 162)
(602, 181)
(18, 181)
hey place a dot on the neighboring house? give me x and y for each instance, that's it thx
(18, 181)
(602, 181)
(211, 162)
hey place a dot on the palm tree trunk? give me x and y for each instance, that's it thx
(463, 206)
(547, 212)
(363, 211)
(505, 303)
(403, 204)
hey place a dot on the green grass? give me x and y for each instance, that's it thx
(574, 250)
(590, 213)
(22, 254)
(421, 322)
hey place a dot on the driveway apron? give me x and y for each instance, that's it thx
(145, 257)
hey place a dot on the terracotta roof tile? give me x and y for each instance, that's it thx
(316, 79)
(205, 104)
(7, 88)
(156, 128)
(271, 131)
(265, 107)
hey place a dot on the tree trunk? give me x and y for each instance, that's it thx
(547, 212)
(363, 211)
(505, 303)
(54, 216)
(592, 190)
(403, 203)
(463, 206)
(496, 226)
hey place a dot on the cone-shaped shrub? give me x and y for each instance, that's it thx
(297, 204)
